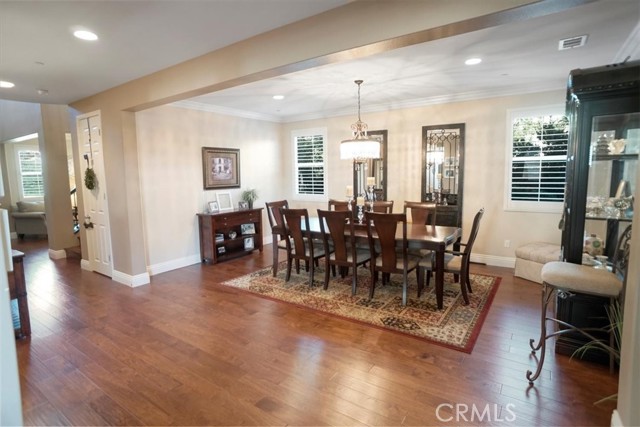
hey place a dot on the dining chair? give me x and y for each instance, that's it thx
(457, 262)
(421, 212)
(300, 244)
(277, 229)
(340, 244)
(387, 257)
(382, 206)
(338, 205)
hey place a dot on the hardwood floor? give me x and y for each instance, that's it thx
(186, 351)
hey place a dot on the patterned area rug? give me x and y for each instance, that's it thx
(455, 326)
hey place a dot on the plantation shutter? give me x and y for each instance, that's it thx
(30, 164)
(310, 164)
(539, 158)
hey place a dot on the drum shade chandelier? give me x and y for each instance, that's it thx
(360, 147)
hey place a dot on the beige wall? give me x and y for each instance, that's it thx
(170, 140)
(484, 173)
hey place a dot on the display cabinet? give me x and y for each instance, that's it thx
(230, 234)
(603, 106)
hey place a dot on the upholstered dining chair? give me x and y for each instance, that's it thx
(300, 244)
(276, 222)
(421, 212)
(340, 244)
(386, 256)
(457, 262)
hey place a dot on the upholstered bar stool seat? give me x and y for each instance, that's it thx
(564, 279)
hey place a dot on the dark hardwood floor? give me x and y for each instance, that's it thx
(186, 351)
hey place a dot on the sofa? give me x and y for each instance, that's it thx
(29, 218)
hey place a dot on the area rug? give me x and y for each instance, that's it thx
(455, 326)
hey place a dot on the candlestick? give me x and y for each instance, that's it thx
(360, 201)
(349, 190)
(371, 181)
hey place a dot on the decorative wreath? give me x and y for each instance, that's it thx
(90, 179)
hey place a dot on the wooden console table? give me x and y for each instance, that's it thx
(238, 232)
(18, 290)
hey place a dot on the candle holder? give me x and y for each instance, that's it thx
(349, 201)
(360, 214)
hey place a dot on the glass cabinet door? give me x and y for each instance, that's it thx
(615, 144)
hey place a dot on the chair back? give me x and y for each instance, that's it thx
(474, 232)
(421, 212)
(338, 205)
(299, 235)
(334, 226)
(274, 214)
(381, 229)
(383, 206)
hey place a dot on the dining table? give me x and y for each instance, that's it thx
(433, 237)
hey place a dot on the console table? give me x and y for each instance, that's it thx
(230, 234)
(18, 290)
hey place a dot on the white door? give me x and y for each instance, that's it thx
(95, 200)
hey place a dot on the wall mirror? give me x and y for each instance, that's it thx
(442, 171)
(372, 168)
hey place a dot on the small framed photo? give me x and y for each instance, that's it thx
(243, 205)
(248, 243)
(220, 167)
(224, 201)
(213, 207)
(221, 250)
(249, 228)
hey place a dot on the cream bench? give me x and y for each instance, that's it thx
(530, 259)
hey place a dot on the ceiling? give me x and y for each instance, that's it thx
(134, 41)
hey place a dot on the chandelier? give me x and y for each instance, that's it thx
(359, 147)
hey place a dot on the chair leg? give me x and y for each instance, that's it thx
(468, 280)
(421, 272)
(289, 265)
(547, 292)
(311, 270)
(275, 258)
(326, 274)
(404, 288)
(354, 280)
(374, 279)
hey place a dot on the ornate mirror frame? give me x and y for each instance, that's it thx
(443, 170)
(376, 168)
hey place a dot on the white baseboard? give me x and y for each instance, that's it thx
(496, 261)
(616, 421)
(57, 254)
(129, 280)
(173, 264)
(85, 265)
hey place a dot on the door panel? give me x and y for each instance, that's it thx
(95, 200)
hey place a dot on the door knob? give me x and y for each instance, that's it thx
(87, 222)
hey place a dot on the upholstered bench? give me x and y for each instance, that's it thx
(29, 218)
(530, 259)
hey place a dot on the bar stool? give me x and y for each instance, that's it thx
(563, 279)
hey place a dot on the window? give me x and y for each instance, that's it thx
(30, 169)
(309, 146)
(537, 160)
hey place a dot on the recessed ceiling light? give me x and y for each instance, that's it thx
(85, 35)
(278, 97)
(473, 61)
(6, 84)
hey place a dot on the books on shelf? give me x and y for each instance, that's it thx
(219, 237)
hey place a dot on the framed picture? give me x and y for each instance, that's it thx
(220, 167)
(221, 250)
(213, 206)
(224, 201)
(243, 205)
(248, 243)
(249, 228)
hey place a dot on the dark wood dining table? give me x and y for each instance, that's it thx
(433, 237)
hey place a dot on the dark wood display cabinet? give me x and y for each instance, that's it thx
(228, 235)
(603, 106)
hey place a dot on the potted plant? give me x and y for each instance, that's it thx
(249, 195)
